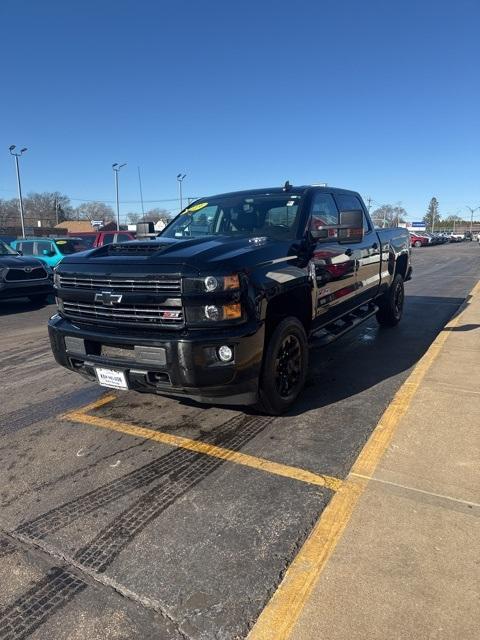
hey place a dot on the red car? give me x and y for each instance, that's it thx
(94, 239)
(418, 241)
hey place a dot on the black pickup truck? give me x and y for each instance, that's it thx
(221, 307)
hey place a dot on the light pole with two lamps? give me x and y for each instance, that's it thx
(19, 184)
(472, 211)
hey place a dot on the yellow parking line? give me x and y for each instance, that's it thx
(110, 397)
(279, 617)
(208, 449)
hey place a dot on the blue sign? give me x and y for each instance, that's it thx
(417, 224)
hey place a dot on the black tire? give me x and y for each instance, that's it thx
(417, 243)
(284, 369)
(390, 305)
(39, 298)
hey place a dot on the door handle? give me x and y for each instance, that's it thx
(348, 252)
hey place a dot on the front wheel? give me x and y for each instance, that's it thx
(417, 243)
(390, 309)
(285, 365)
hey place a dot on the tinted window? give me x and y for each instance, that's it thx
(324, 210)
(122, 237)
(67, 247)
(108, 238)
(43, 246)
(270, 215)
(87, 242)
(5, 250)
(26, 248)
(348, 202)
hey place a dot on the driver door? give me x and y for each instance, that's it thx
(334, 264)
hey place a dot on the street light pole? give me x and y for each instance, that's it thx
(180, 178)
(19, 184)
(141, 192)
(472, 211)
(116, 169)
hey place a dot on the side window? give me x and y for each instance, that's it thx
(323, 212)
(122, 237)
(27, 248)
(108, 238)
(41, 247)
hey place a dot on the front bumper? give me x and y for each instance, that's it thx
(169, 364)
(19, 289)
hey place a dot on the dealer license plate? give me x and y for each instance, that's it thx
(111, 378)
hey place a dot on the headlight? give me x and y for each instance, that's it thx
(211, 284)
(214, 313)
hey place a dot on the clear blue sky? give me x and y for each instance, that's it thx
(375, 95)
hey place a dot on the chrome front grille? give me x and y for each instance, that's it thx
(139, 314)
(160, 284)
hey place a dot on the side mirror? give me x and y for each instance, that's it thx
(351, 226)
(18, 252)
(349, 229)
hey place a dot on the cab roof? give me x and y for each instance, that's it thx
(292, 189)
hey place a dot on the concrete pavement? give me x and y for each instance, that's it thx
(408, 563)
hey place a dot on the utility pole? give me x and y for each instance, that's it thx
(19, 184)
(180, 179)
(116, 169)
(369, 203)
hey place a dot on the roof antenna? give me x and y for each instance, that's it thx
(287, 186)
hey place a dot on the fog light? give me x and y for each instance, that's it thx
(212, 312)
(225, 353)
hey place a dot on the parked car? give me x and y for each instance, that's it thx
(418, 240)
(227, 317)
(23, 277)
(50, 250)
(94, 239)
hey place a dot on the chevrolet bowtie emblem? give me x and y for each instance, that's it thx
(108, 298)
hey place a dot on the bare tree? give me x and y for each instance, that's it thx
(133, 218)
(389, 215)
(48, 208)
(95, 211)
(9, 213)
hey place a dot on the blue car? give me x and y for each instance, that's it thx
(50, 250)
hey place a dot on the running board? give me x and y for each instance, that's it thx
(334, 330)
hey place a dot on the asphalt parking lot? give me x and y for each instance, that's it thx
(130, 516)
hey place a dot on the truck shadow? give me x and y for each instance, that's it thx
(22, 305)
(362, 361)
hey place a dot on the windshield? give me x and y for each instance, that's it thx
(5, 250)
(69, 246)
(270, 215)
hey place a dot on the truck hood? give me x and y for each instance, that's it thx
(19, 262)
(210, 253)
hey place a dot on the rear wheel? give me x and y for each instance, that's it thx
(284, 367)
(390, 309)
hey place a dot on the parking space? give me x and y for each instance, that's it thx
(124, 515)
